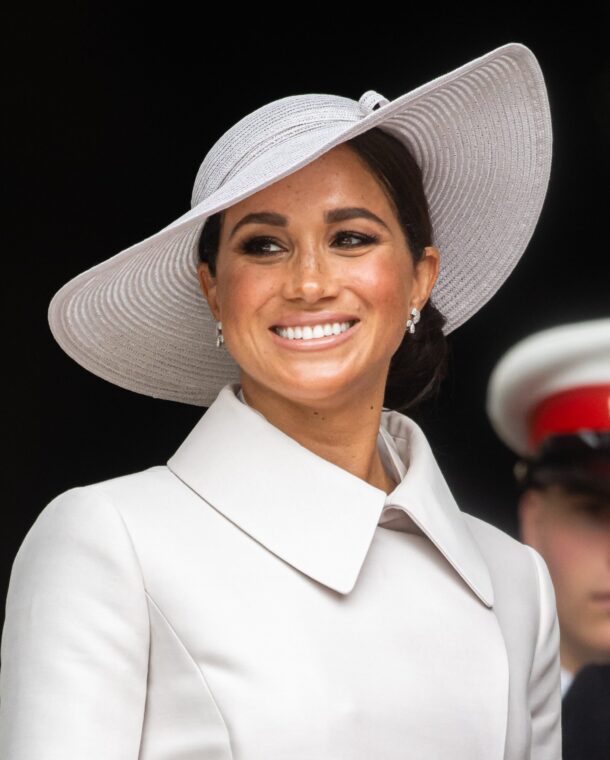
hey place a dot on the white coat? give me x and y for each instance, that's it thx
(243, 602)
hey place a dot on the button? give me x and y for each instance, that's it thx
(371, 100)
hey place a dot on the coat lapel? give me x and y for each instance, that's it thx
(321, 520)
(311, 513)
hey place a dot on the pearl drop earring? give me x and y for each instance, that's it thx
(415, 317)
(219, 336)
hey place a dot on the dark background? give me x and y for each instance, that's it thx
(111, 111)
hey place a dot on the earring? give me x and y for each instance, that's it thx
(219, 336)
(415, 317)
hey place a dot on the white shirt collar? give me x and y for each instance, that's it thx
(566, 680)
(391, 517)
(312, 513)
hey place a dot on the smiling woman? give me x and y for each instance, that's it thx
(297, 580)
(419, 364)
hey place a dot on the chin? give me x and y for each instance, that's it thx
(317, 382)
(308, 387)
(317, 390)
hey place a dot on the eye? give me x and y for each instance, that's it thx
(258, 245)
(255, 246)
(360, 238)
(593, 511)
(596, 511)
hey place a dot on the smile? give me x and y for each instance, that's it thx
(309, 332)
(314, 337)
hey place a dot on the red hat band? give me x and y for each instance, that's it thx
(565, 412)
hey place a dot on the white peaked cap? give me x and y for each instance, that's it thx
(561, 358)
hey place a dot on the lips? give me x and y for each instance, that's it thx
(309, 332)
(306, 338)
(310, 319)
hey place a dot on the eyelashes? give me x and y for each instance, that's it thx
(255, 245)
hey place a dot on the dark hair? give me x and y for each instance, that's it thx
(579, 463)
(419, 365)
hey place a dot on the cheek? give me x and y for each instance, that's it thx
(385, 283)
(242, 293)
(570, 562)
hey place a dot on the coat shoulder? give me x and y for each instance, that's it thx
(102, 501)
(511, 564)
(493, 539)
(139, 485)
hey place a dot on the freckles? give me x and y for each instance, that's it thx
(244, 286)
(378, 276)
(391, 287)
(245, 309)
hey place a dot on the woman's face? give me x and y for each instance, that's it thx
(315, 250)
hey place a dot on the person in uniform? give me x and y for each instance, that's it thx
(297, 581)
(549, 401)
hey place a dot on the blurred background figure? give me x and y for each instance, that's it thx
(548, 400)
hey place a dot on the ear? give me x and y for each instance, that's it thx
(530, 510)
(425, 275)
(208, 288)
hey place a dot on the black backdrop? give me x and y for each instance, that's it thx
(110, 112)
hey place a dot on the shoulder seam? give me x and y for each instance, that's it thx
(107, 497)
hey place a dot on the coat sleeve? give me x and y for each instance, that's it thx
(544, 690)
(75, 639)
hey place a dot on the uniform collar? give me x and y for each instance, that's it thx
(312, 513)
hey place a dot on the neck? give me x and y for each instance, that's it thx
(342, 431)
(575, 656)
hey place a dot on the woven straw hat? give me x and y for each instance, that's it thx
(482, 137)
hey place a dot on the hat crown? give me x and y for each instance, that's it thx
(267, 135)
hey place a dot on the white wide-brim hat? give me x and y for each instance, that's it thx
(481, 135)
(567, 358)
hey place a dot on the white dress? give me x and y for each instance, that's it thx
(248, 601)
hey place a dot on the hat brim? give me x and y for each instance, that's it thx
(482, 137)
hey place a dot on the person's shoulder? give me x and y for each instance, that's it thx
(489, 535)
(95, 508)
(510, 561)
(138, 485)
(86, 526)
(119, 488)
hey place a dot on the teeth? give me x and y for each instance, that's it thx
(313, 331)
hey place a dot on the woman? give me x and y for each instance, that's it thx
(298, 581)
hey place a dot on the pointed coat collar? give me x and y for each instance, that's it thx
(310, 512)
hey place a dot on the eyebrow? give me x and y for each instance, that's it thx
(335, 215)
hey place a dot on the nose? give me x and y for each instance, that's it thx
(309, 275)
